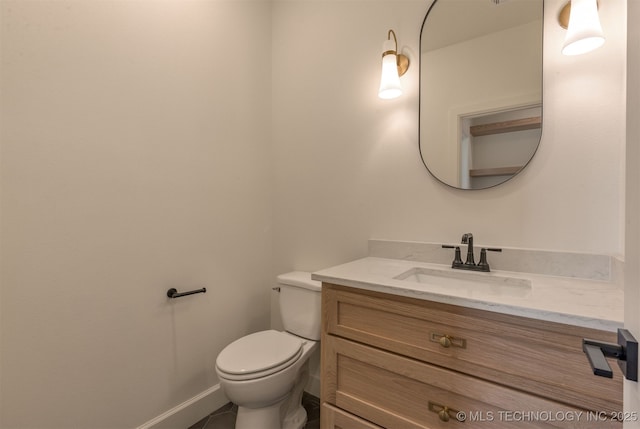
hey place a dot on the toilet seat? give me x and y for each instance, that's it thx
(258, 355)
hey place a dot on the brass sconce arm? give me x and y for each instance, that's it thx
(401, 60)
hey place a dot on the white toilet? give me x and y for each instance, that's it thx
(265, 373)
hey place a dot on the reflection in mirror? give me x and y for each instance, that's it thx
(480, 89)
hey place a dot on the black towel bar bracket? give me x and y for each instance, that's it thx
(173, 292)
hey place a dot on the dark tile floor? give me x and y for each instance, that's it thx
(225, 417)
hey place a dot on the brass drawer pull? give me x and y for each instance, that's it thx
(445, 413)
(447, 341)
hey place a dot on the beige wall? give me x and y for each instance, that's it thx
(347, 163)
(135, 158)
(150, 144)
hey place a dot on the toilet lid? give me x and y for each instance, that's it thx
(258, 352)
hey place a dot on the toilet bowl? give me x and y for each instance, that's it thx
(265, 373)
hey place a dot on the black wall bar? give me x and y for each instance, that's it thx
(173, 292)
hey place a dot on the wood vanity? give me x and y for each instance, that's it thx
(391, 361)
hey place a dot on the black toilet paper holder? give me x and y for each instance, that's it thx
(173, 292)
(625, 351)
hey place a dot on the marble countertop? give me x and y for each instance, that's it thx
(579, 302)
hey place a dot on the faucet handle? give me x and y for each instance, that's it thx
(457, 259)
(483, 264)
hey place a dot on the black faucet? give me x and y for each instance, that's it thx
(468, 240)
(470, 263)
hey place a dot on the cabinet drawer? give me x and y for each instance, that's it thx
(393, 391)
(334, 418)
(539, 357)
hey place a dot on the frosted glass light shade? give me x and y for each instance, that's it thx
(389, 81)
(584, 33)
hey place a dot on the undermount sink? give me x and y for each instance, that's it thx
(468, 282)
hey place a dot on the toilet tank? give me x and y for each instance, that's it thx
(300, 304)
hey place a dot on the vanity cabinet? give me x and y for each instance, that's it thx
(335, 418)
(397, 362)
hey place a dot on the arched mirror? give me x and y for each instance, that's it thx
(480, 89)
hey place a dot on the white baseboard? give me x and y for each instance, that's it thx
(190, 411)
(313, 385)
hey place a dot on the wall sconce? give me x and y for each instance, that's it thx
(584, 32)
(394, 65)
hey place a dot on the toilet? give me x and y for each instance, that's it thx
(265, 373)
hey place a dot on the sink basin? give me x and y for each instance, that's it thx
(468, 282)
